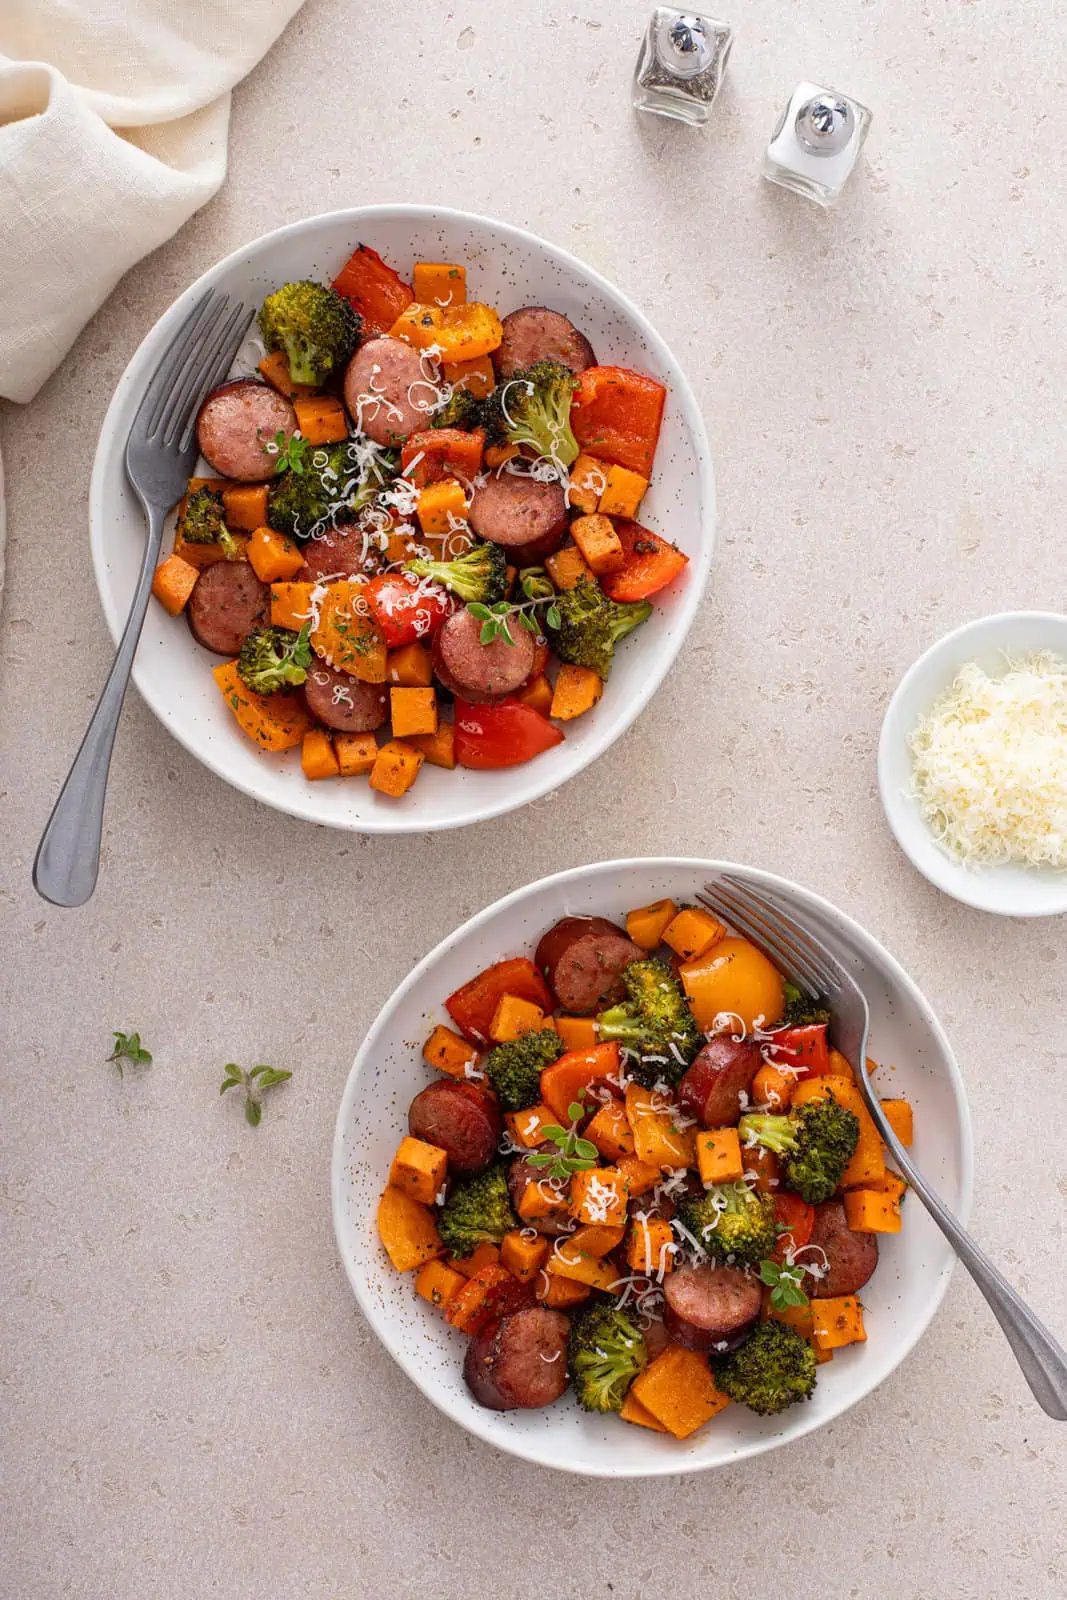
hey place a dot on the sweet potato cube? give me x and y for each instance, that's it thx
(836, 1322)
(449, 1052)
(439, 283)
(441, 507)
(599, 1195)
(898, 1114)
(523, 1257)
(419, 1169)
(527, 1126)
(600, 545)
(566, 1262)
(647, 925)
(594, 1239)
(640, 1176)
(486, 1255)
(633, 1411)
(438, 1283)
(610, 1131)
(275, 369)
(244, 506)
(410, 666)
(891, 1184)
(537, 693)
(395, 769)
(872, 1211)
(317, 755)
(559, 1294)
(588, 480)
(623, 493)
(693, 932)
(650, 1245)
(577, 1033)
(274, 556)
(772, 1088)
(540, 1199)
(173, 583)
(797, 1317)
(577, 691)
(719, 1156)
(497, 454)
(479, 379)
(407, 1230)
(346, 638)
(356, 753)
(867, 1165)
(413, 711)
(439, 748)
(568, 568)
(513, 1017)
(679, 1391)
(657, 1141)
(321, 419)
(275, 721)
(290, 604)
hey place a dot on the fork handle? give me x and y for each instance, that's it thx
(1042, 1359)
(67, 863)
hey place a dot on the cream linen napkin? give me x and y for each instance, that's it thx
(113, 125)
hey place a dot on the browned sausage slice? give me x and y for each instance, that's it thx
(227, 602)
(520, 1362)
(534, 333)
(583, 959)
(236, 421)
(477, 671)
(520, 513)
(710, 1308)
(343, 702)
(343, 552)
(520, 1173)
(850, 1257)
(712, 1087)
(459, 1118)
(386, 391)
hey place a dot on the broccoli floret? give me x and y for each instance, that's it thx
(203, 522)
(315, 326)
(478, 575)
(490, 417)
(514, 1068)
(818, 1141)
(730, 1219)
(773, 1369)
(590, 626)
(275, 658)
(800, 1012)
(332, 484)
(536, 408)
(605, 1353)
(655, 1022)
(478, 1211)
(460, 410)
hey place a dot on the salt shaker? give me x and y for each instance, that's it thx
(817, 143)
(681, 65)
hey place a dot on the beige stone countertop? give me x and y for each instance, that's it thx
(191, 1404)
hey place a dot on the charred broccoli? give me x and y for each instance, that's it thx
(480, 575)
(655, 1022)
(514, 1068)
(773, 1369)
(203, 521)
(275, 658)
(589, 626)
(605, 1353)
(478, 1211)
(315, 326)
(800, 1012)
(332, 484)
(535, 406)
(731, 1220)
(460, 410)
(817, 1140)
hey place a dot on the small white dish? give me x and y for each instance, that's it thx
(508, 267)
(1008, 891)
(899, 1301)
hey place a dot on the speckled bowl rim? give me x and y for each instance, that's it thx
(852, 934)
(519, 786)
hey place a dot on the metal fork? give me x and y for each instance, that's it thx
(160, 452)
(818, 973)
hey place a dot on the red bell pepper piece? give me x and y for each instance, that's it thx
(803, 1048)
(471, 1007)
(501, 735)
(373, 289)
(406, 609)
(574, 1076)
(541, 653)
(650, 565)
(492, 1292)
(616, 415)
(442, 453)
(793, 1213)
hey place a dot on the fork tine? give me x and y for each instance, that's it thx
(191, 371)
(162, 379)
(726, 903)
(229, 341)
(792, 935)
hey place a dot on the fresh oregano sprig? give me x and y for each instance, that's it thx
(572, 1153)
(253, 1083)
(288, 453)
(784, 1283)
(539, 591)
(128, 1047)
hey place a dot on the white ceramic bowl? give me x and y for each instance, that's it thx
(507, 267)
(1009, 891)
(900, 1299)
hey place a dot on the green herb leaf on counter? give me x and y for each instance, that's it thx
(128, 1047)
(253, 1083)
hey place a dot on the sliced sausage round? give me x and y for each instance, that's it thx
(707, 1308)
(850, 1257)
(343, 702)
(520, 1361)
(386, 391)
(236, 422)
(460, 1118)
(712, 1086)
(520, 1173)
(342, 552)
(227, 602)
(534, 333)
(526, 516)
(583, 959)
(476, 671)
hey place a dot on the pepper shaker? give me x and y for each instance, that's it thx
(681, 65)
(816, 143)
